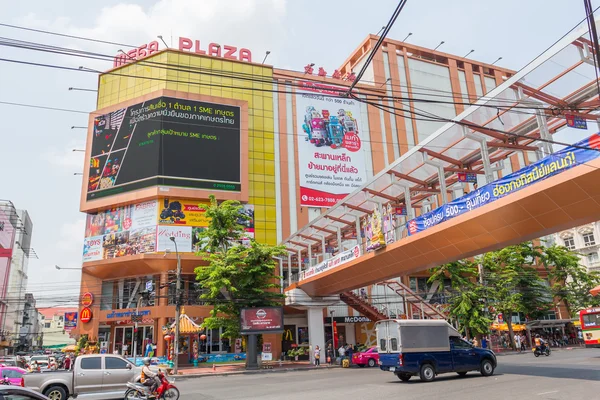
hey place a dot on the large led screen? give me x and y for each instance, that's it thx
(166, 141)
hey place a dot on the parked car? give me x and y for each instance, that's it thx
(92, 374)
(368, 357)
(428, 348)
(15, 392)
(13, 374)
(8, 361)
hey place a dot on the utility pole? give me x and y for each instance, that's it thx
(135, 326)
(177, 309)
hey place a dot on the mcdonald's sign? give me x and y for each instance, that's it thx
(86, 315)
(87, 299)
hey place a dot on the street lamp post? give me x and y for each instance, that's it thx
(177, 308)
(331, 312)
(135, 329)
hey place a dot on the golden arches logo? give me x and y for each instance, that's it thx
(288, 335)
(86, 315)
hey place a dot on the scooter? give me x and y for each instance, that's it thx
(166, 390)
(538, 352)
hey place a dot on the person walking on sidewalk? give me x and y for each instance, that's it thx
(317, 356)
(518, 342)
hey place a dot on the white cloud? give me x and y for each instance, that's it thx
(253, 24)
(65, 156)
(70, 237)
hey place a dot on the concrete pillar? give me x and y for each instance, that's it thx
(161, 346)
(316, 331)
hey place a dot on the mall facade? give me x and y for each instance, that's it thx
(174, 126)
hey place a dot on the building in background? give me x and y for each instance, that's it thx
(583, 240)
(182, 124)
(16, 229)
(57, 326)
(30, 335)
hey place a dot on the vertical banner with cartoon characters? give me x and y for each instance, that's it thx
(330, 154)
(389, 224)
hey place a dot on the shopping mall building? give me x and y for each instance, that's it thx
(174, 126)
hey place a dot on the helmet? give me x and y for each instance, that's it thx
(537, 336)
(146, 361)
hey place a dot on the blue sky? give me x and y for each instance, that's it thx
(37, 161)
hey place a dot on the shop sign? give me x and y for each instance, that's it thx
(87, 299)
(128, 313)
(575, 122)
(86, 315)
(70, 320)
(347, 320)
(467, 177)
(187, 45)
(182, 235)
(342, 258)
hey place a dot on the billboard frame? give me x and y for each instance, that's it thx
(246, 332)
(153, 192)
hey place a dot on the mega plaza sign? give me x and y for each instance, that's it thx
(188, 45)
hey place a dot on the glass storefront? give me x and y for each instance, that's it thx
(124, 339)
(215, 343)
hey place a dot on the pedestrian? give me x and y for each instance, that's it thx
(484, 342)
(329, 353)
(518, 342)
(317, 356)
(475, 342)
(67, 363)
(363, 294)
(349, 351)
(523, 341)
(342, 353)
(580, 336)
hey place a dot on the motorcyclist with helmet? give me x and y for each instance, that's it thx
(540, 343)
(149, 378)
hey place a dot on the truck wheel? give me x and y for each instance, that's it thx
(427, 373)
(487, 368)
(56, 393)
(404, 377)
(371, 362)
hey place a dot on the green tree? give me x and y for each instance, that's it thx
(465, 299)
(237, 276)
(514, 284)
(570, 281)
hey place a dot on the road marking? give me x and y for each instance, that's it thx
(541, 394)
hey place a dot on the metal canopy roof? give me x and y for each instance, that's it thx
(560, 81)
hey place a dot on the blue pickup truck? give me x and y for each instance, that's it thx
(427, 348)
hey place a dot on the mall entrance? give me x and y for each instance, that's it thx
(124, 337)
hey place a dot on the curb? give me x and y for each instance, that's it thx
(528, 351)
(250, 372)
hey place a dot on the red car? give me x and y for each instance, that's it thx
(368, 357)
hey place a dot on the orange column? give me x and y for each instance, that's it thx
(455, 82)
(275, 340)
(397, 92)
(92, 285)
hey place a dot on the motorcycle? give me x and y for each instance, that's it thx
(538, 352)
(166, 390)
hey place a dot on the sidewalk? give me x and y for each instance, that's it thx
(240, 369)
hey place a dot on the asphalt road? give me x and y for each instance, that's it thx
(567, 374)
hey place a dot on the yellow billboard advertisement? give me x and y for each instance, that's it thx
(182, 212)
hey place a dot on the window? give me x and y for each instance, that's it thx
(115, 363)
(591, 320)
(394, 344)
(570, 243)
(60, 318)
(11, 373)
(382, 344)
(588, 239)
(91, 363)
(47, 325)
(592, 257)
(459, 344)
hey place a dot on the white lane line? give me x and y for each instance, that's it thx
(541, 394)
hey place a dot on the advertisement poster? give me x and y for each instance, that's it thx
(166, 141)
(182, 212)
(121, 231)
(548, 166)
(374, 230)
(330, 154)
(341, 258)
(70, 321)
(389, 224)
(182, 235)
(264, 319)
